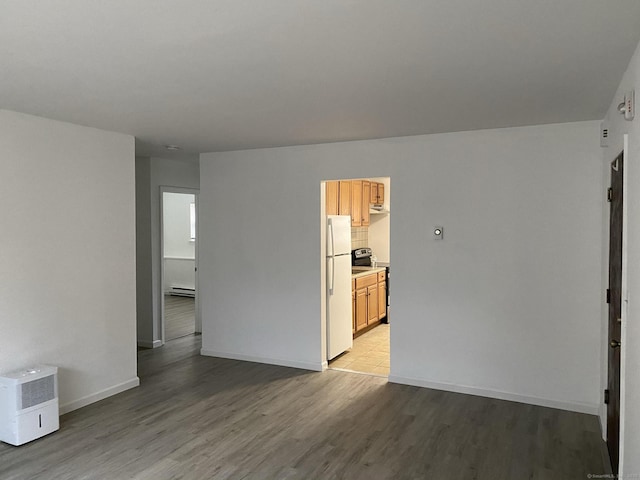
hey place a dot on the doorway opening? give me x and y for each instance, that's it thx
(356, 239)
(180, 313)
(614, 299)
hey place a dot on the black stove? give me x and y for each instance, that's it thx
(361, 257)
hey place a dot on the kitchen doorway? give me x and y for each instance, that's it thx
(356, 286)
(180, 313)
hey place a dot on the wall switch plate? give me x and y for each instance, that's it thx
(438, 233)
(604, 134)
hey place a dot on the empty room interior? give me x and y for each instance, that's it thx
(203, 276)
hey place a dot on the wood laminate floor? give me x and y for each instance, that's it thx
(179, 316)
(197, 417)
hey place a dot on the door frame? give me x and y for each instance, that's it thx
(323, 277)
(198, 314)
(323, 264)
(624, 299)
(615, 199)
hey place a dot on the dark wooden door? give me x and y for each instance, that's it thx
(615, 310)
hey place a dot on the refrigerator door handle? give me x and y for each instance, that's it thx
(331, 252)
(332, 275)
(332, 249)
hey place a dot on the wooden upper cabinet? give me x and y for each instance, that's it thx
(374, 193)
(353, 197)
(331, 197)
(377, 193)
(356, 203)
(380, 193)
(366, 196)
(344, 197)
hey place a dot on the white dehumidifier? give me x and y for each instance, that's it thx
(28, 404)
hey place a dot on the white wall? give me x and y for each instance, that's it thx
(144, 264)
(507, 305)
(630, 395)
(67, 256)
(179, 272)
(161, 172)
(177, 225)
(179, 249)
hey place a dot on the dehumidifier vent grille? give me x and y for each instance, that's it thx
(37, 391)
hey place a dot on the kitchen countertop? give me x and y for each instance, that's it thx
(368, 271)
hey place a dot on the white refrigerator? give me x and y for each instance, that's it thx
(339, 328)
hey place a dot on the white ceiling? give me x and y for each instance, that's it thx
(213, 75)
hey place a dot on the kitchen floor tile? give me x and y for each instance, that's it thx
(369, 354)
(341, 362)
(380, 371)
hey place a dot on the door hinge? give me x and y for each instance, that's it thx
(608, 296)
(609, 194)
(606, 396)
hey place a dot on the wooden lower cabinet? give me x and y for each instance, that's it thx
(382, 300)
(361, 308)
(353, 306)
(369, 297)
(372, 304)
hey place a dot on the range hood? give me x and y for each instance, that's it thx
(378, 210)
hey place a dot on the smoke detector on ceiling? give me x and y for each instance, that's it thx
(627, 108)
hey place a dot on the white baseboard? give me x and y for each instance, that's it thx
(101, 395)
(316, 367)
(603, 421)
(591, 409)
(325, 365)
(147, 344)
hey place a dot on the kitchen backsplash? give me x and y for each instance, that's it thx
(359, 237)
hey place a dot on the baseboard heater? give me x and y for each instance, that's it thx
(182, 292)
